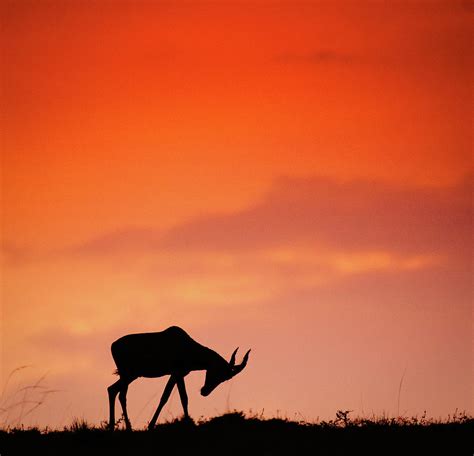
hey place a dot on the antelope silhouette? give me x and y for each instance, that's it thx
(170, 352)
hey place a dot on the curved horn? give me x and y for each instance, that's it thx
(232, 358)
(241, 366)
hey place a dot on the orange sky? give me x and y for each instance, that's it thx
(295, 177)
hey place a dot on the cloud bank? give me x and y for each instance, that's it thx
(320, 212)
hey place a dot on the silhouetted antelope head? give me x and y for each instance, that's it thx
(217, 374)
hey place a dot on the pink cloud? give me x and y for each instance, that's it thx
(355, 215)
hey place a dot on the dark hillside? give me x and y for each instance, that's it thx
(234, 434)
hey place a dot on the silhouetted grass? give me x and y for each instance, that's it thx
(18, 402)
(235, 433)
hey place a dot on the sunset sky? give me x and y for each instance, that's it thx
(291, 177)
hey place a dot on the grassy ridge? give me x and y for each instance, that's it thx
(235, 434)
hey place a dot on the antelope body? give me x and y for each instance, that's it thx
(170, 352)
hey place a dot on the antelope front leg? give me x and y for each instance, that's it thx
(164, 398)
(183, 395)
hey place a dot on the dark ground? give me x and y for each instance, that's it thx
(234, 434)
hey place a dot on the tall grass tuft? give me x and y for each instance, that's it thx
(19, 402)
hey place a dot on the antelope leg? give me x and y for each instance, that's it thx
(183, 395)
(164, 398)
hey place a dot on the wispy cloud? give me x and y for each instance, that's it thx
(347, 216)
(319, 57)
(125, 239)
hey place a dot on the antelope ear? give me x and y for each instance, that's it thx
(232, 358)
(241, 366)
